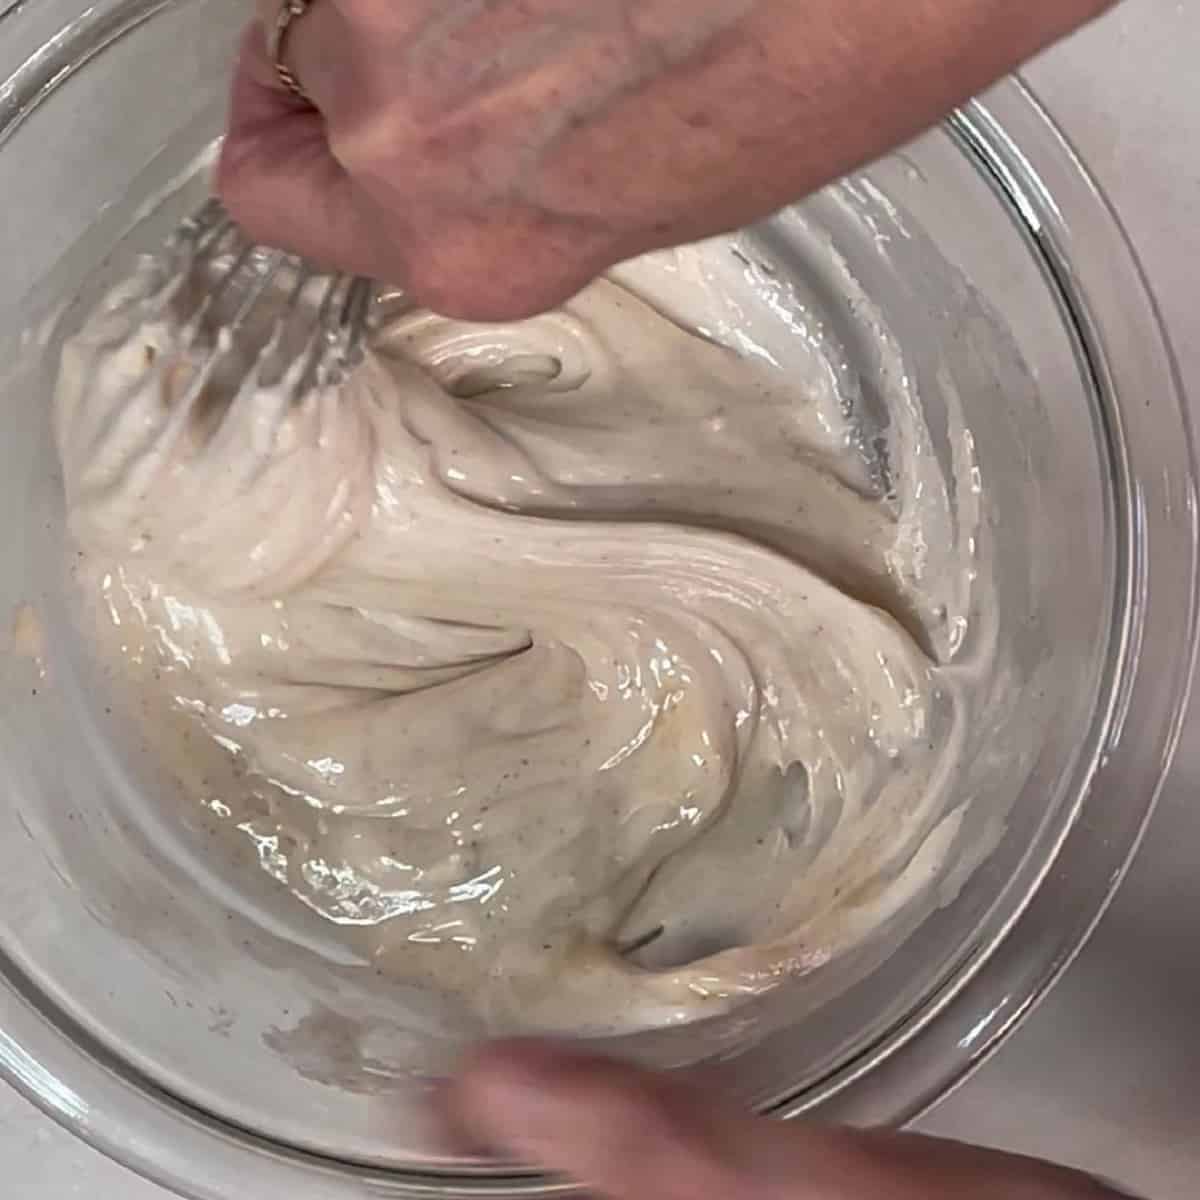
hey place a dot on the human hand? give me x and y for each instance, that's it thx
(628, 1134)
(492, 156)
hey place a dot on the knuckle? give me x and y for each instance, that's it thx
(383, 141)
(372, 19)
(478, 278)
(369, 138)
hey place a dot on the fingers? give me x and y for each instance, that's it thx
(279, 181)
(283, 179)
(314, 48)
(624, 1132)
(629, 1134)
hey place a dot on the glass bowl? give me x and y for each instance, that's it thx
(145, 1003)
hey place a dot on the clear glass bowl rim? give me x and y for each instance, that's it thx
(1090, 264)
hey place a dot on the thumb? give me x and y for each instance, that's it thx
(283, 186)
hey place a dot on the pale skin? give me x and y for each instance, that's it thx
(492, 157)
(629, 1134)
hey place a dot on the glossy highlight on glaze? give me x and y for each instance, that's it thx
(532, 640)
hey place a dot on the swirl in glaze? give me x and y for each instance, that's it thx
(529, 641)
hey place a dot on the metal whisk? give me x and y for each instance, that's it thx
(247, 313)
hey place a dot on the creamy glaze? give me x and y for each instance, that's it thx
(532, 640)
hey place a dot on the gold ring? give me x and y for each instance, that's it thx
(291, 12)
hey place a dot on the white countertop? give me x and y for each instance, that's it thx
(1106, 1074)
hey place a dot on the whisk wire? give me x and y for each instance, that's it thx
(245, 307)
